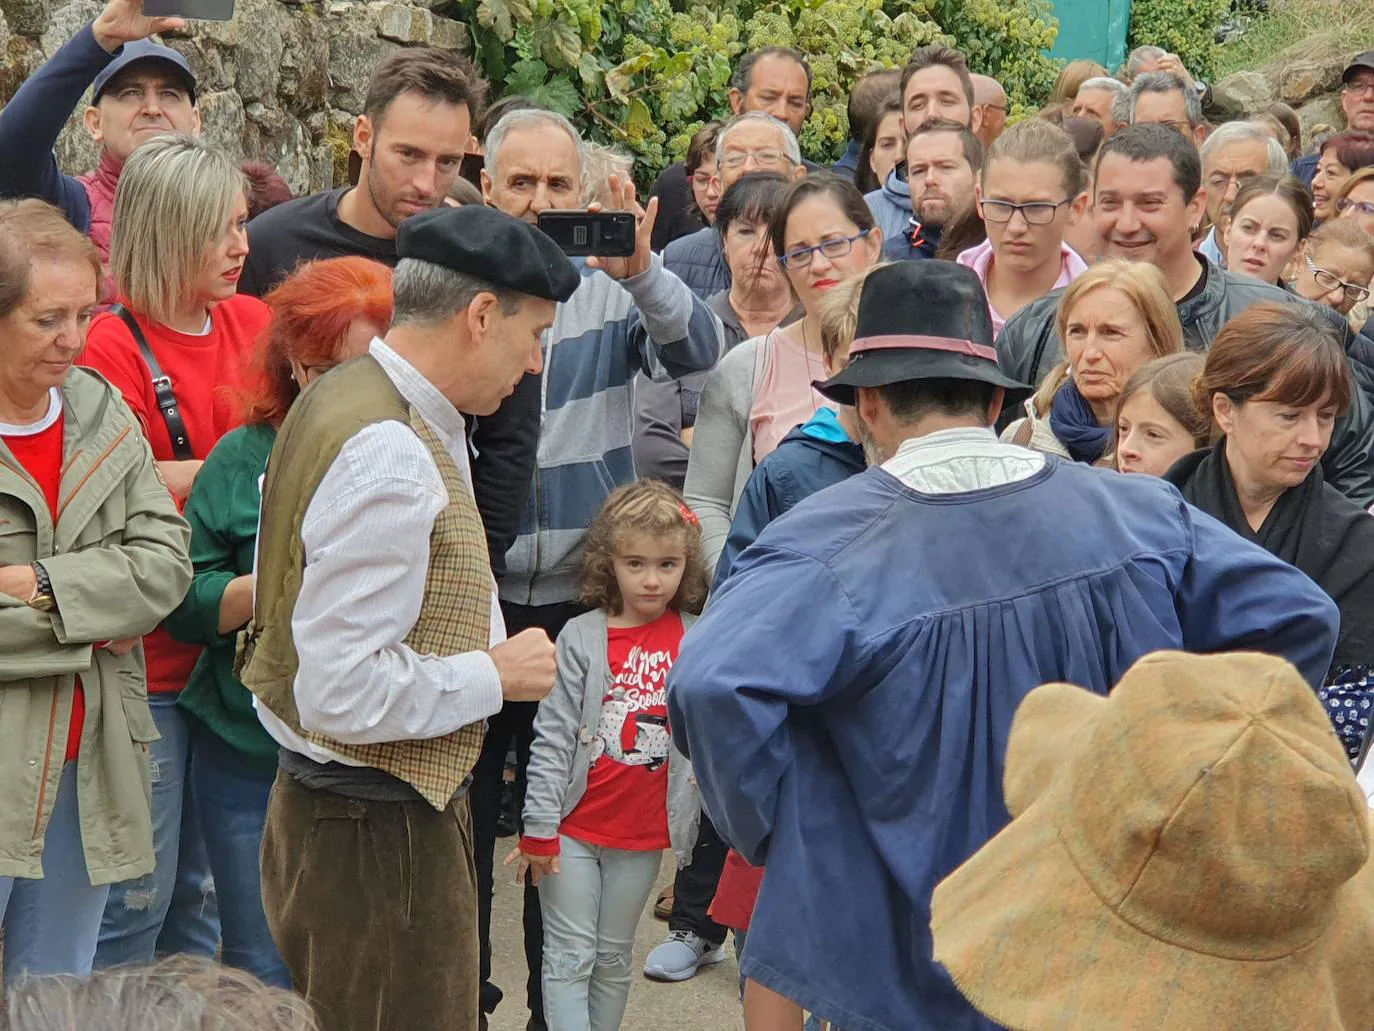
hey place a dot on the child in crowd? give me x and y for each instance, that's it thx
(607, 792)
(1157, 417)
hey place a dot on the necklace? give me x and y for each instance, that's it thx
(806, 354)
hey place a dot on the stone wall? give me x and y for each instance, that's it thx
(282, 82)
(1307, 78)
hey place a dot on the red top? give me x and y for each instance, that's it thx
(626, 804)
(204, 371)
(41, 456)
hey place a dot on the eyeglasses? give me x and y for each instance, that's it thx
(1219, 181)
(1364, 207)
(1036, 213)
(837, 248)
(1329, 281)
(762, 158)
(1360, 89)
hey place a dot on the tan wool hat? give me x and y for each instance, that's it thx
(1189, 853)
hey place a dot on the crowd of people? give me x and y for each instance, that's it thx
(957, 549)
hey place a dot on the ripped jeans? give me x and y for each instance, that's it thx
(173, 909)
(591, 909)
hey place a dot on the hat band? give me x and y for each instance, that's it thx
(905, 341)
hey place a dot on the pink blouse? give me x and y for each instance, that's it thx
(784, 397)
(980, 259)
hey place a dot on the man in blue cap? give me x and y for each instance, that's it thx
(140, 89)
(847, 697)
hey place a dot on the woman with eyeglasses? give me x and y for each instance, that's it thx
(1113, 319)
(1355, 200)
(1263, 232)
(325, 313)
(822, 234)
(1032, 189)
(1337, 265)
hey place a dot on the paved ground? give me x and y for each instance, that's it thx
(708, 1002)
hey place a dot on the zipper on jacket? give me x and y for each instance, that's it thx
(47, 761)
(534, 488)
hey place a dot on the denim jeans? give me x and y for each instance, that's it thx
(230, 795)
(171, 910)
(591, 909)
(51, 924)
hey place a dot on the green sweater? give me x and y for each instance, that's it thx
(223, 513)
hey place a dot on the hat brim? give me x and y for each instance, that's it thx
(185, 77)
(1033, 947)
(885, 367)
(1356, 66)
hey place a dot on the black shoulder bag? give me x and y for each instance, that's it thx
(162, 388)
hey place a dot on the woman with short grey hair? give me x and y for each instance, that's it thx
(175, 346)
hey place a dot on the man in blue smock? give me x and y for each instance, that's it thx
(847, 698)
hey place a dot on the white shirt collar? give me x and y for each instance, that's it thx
(433, 407)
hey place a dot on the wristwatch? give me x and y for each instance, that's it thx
(42, 599)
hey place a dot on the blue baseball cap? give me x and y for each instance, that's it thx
(145, 50)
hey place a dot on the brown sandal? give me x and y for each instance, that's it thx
(663, 905)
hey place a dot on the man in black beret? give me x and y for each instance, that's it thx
(377, 649)
(847, 698)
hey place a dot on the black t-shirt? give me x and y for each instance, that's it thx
(303, 230)
(1198, 287)
(505, 442)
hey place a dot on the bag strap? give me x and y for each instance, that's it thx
(162, 388)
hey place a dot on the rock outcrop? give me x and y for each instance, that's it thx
(282, 82)
(1306, 77)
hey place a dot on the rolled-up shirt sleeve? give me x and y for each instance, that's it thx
(366, 539)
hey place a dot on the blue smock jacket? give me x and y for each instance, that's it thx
(847, 697)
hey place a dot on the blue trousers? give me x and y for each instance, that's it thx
(230, 796)
(51, 924)
(173, 909)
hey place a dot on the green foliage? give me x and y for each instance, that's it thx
(1183, 27)
(644, 75)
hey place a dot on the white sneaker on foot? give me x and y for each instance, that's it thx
(681, 956)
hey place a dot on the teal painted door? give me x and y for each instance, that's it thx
(1092, 29)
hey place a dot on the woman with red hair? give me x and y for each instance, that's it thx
(326, 313)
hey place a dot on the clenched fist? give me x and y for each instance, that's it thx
(526, 664)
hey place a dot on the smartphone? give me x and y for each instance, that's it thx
(197, 10)
(471, 168)
(606, 234)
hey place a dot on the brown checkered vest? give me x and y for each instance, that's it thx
(455, 616)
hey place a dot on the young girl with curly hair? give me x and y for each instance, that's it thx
(606, 791)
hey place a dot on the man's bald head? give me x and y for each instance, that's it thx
(991, 98)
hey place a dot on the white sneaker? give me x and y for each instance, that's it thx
(681, 956)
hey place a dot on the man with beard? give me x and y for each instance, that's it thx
(140, 89)
(942, 161)
(412, 134)
(1147, 202)
(936, 85)
(847, 697)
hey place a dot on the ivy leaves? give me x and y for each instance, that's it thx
(643, 75)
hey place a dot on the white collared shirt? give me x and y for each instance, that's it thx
(960, 460)
(366, 540)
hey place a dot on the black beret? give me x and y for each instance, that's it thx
(491, 246)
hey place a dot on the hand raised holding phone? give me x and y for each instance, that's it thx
(124, 21)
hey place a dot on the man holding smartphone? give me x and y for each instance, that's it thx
(629, 314)
(141, 89)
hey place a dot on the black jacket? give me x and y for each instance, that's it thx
(1029, 347)
(698, 259)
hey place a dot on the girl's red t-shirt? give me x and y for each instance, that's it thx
(626, 804)
(206, 373)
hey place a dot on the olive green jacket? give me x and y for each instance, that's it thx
(118, 560)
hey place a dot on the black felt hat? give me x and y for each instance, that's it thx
(490, 245)
(921, 320)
